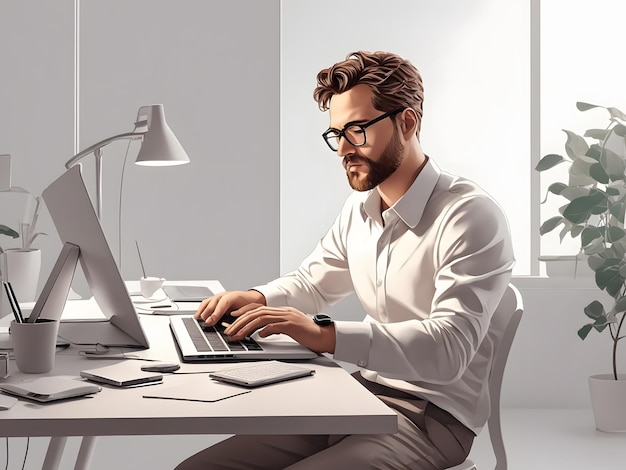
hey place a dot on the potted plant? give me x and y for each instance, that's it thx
(595, 202)
(21, 266)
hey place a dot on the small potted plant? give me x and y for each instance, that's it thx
(21, 265)
(595, 203)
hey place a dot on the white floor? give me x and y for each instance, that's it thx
(553, 440)
(535, 440)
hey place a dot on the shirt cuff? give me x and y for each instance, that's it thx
(354, 341)
(273, 296)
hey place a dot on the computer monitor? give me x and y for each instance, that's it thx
(76, 222)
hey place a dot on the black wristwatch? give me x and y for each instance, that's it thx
(322, 319)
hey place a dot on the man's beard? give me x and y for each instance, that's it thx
(378, 171)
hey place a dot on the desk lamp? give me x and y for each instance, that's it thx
(160, 147)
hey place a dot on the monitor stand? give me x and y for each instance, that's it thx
(53, 297)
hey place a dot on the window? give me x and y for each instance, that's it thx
(476, 64)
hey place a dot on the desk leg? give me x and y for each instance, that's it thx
(54, 453)
(85, 453)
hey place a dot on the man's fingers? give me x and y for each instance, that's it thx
(247, 324)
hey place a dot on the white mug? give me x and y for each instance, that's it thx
(149, 285)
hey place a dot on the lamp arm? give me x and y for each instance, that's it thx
(83, 153)
(96, 149)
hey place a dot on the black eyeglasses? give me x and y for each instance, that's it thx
(353, 133)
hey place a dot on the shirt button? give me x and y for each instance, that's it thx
(379, 282)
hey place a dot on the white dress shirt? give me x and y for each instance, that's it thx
(429, 278)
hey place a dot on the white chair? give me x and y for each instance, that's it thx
(506, 318)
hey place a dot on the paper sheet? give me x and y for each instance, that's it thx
(209, 393)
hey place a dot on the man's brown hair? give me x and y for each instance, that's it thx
(394, 81)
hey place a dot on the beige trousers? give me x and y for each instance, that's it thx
(433, 440)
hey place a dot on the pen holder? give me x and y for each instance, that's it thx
(34, 345)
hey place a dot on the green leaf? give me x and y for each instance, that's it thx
(572, 192)
(613, 164)
(595, 246)
(597, 173)
(594, 310)
(576, 230)
(550, 224)
(614, 234)
(598, 134)
(595, 261)
(612, 192)
(582, 106)
(4, 230)
(619, 248)
(616, 113)
(608, 277)
(617, 211)
(589, 234)
(595, 150)
(580, 209)
(575, 146)
(600, 325)
(579, 173)
(549, 161)
(584, 331)
(557, 188)
(564, 231)
(620, 130)
(620, 305)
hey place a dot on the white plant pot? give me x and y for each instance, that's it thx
(22, 271)
(567, 266)
(607, 402)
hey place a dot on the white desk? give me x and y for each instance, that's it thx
(329, 402)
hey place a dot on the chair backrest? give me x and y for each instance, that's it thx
(506, 318)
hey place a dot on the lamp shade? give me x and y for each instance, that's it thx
(160, 147)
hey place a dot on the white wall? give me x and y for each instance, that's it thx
(214, 218)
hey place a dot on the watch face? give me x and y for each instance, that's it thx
(322, 319)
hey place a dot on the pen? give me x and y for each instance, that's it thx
(18, 318)
(17, 304)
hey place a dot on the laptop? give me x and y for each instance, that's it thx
(198, 342)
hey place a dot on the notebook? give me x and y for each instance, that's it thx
(124, 374)
(201, 343)
(45, 389)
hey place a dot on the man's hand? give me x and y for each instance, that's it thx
(285, 320)
(211, 310)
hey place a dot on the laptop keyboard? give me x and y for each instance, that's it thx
(211, 338)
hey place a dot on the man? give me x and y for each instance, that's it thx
(429, 256)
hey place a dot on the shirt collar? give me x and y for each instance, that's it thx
(410, 207)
